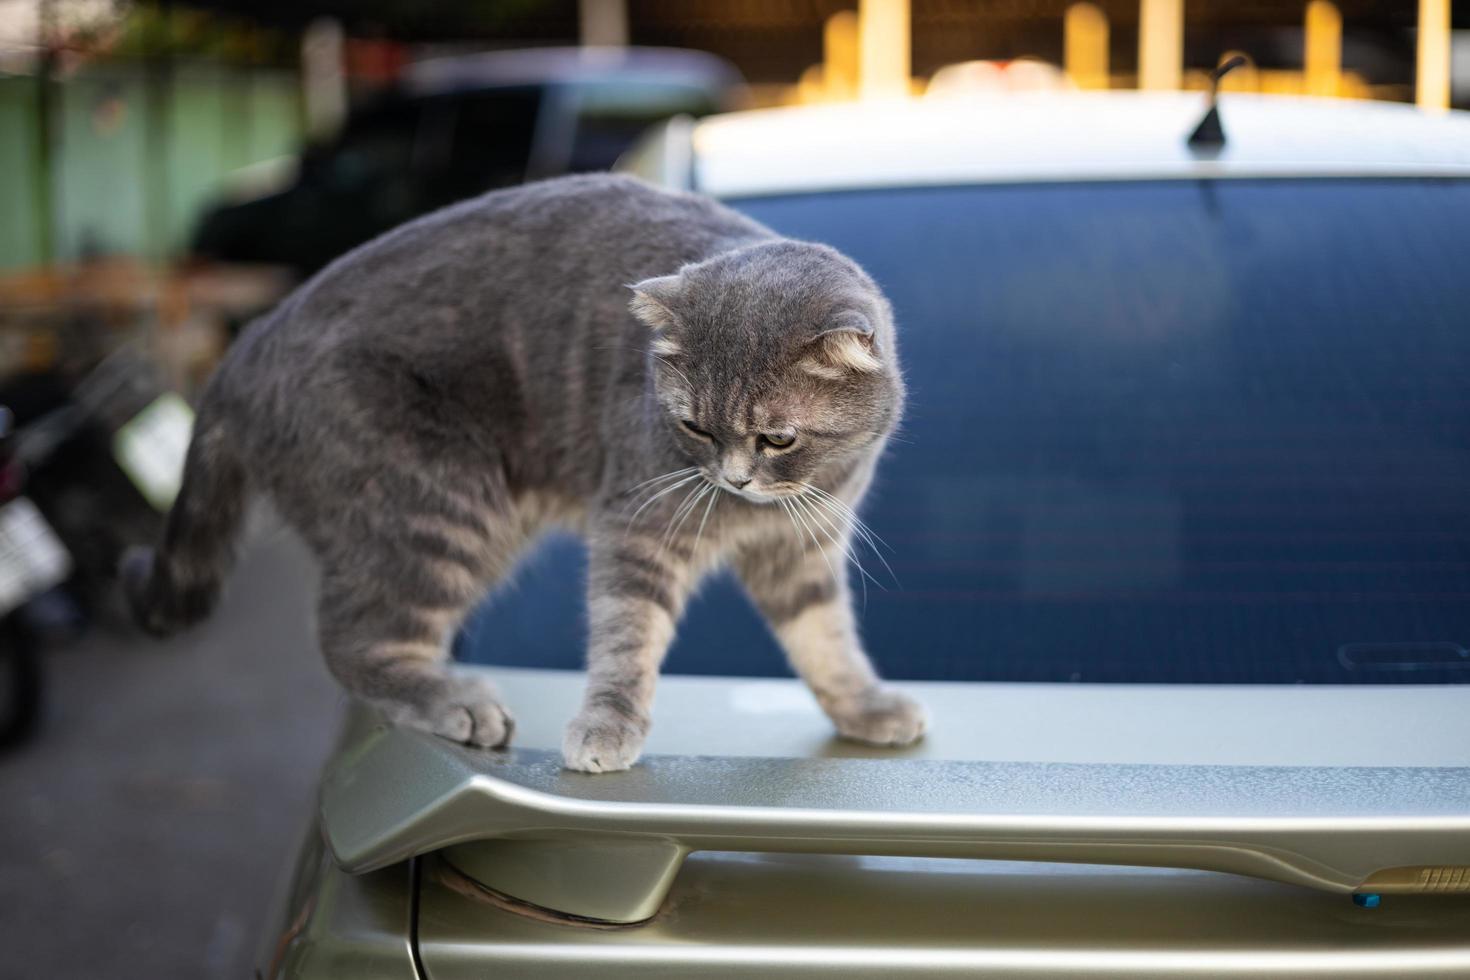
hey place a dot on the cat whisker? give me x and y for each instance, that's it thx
(868, 536)
(892, 576)
(829, 529)
(821, 505)
(801, 520)
(663, 476)
(798, 510)
(713, 499)
(665, 363)
(839, 536)
(660, 493)
(656, 492)
(690, 495)
(686, 507)
(850, 514)
(847, 518)
(786, 506)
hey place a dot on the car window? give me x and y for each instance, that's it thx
(1158, 432)
(493, 134)
(374, 147)
(611, 117)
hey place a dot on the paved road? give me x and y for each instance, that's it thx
(143, 833)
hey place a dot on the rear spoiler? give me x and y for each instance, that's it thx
(607, 848)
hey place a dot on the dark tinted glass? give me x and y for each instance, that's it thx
(611, 116)
(375, 147)
(1211, 432)
(493, 132)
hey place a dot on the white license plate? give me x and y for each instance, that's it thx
(32, 557)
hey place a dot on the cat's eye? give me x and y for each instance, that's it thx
(693, 429)
(778, 440)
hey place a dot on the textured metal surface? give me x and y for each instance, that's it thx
(799, 916)
(1063, 792)
(1146, 724)
(391, 794)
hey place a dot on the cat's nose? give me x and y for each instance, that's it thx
(738, 484)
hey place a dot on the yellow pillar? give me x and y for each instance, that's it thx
(1322, 56)
(1085, 45)
(1432, 84)
(883, 45)
(811, 87)
(1160, 44)
(840, 55)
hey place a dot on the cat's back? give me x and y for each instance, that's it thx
(483, 287)
(540, 242)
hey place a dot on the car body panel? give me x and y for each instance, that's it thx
(786, 915)
(608, 847)
(1046, 137)
(329, 923)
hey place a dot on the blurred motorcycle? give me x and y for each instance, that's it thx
(32, 562)
(86, 470)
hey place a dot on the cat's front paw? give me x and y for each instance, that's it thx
(602, 740)
(880, 716)
(468, 711)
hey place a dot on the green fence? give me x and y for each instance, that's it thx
(131, 158)
(22, 235)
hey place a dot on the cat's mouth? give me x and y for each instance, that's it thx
(753, 494)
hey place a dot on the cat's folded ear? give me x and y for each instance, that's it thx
(846, 345)
(654, 300)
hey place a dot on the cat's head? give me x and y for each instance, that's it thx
(774, 365)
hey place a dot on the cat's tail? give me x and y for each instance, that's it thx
(177, 584)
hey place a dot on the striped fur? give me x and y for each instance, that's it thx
(430, 404)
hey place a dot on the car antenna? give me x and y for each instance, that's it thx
(1209, 134)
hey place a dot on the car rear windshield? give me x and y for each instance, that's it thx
(1169, 431)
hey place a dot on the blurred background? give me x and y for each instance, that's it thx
(169, 170)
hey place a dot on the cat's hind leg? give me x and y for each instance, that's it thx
(390, 602)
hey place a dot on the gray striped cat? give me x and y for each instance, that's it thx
(427, 405)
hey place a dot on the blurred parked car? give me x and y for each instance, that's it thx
(1176, 416)
(457, 127)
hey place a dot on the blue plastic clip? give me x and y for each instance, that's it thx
(1366, 900)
